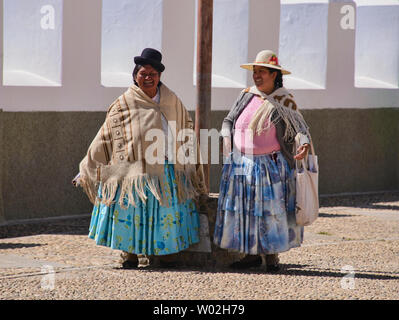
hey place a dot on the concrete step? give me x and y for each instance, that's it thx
(206, 254)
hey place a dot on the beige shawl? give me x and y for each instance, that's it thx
(123, 154)
(278, 106)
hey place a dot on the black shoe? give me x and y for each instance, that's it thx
(247, 262)
(272, 262)
(129, 265)
(273, 267)
(128, 260)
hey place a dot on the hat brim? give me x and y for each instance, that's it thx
(143, 61)
(250, 66)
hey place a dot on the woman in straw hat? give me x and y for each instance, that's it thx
(256, 207)
(143, 195)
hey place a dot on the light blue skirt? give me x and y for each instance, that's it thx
(148, 228)
(256, 206)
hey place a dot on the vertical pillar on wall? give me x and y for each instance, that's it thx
(2, 219)
(204, 72)
(81, 48)
(341, 46)
(1, 47)
(263, 29)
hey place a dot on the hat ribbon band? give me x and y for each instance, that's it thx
(268, 62)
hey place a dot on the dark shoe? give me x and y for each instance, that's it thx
(249, 261)
(272, 262)
(129, 260)
(272, 268)
(129, 265)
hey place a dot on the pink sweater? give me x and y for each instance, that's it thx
(262, 144)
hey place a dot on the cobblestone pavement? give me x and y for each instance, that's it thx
(350, 252)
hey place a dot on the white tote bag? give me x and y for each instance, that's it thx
(307, 189)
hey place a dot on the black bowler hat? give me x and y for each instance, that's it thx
(152, 57)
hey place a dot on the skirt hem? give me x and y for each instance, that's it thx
(146, 253)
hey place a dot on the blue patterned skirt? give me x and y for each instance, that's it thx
(256, 207)
(148, 228)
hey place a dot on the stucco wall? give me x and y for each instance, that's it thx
(1, 168)
(358, 149)
(41, 151)
(83, 39)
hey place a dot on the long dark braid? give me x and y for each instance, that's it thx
(278, 82)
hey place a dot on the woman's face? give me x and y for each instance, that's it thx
(264, 79)
(147, 79)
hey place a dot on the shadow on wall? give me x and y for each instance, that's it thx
(76, 226)
(41, 152)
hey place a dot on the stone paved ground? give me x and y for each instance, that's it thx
(350, 252)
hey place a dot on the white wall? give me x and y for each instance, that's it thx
(377, 44)
(85, 32)
(303, 43)
(32, 42)
(229, 43)
(128, 26)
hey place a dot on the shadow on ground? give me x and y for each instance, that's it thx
(286, 269)
(381, 201)
(78, 226)
(333, 215)
(18, 245)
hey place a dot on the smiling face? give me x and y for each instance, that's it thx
(264, 79)
(147, 79)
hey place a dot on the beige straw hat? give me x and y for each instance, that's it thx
(265, 58)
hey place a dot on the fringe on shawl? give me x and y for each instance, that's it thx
(187, 188)
(89, 187)
(138, 185)
(129, 186)
(274, 112)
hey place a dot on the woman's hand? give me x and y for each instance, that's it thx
(226, 146)
(76, 180)
(302, 152)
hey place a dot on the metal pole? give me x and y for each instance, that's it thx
(204, 72)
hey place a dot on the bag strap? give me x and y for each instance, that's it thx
(306, 159)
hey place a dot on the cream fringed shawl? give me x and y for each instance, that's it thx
(124, 154)
(278, 106)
